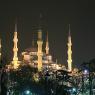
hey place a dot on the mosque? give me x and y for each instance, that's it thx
(35, 55)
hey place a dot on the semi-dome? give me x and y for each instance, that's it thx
(32, 49)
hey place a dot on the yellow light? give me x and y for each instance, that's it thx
(36, 77)
(69, 52)
(15, 64)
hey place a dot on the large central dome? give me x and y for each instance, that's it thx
(32, 49)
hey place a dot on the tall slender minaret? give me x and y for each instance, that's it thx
(15, 49)
(47, 45)
(39, 53)
(69, 52)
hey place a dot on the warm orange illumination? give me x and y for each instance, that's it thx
(36, 77)
(47, 45)
(15, 64)
(15, 51)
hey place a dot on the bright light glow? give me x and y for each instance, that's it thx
(85, 71)
(15, 64)
(26, 57)
(69, 52)
(39, 54)
(74, 89)
(36, 77)
(27, 92)
(57, 67)
(15, 51)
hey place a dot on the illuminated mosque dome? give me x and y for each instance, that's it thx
(32, 49)
(30, 55)
(35, 55)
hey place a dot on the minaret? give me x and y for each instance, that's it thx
(15, 49)
(47, 45)
(69, 52)
(39, 53)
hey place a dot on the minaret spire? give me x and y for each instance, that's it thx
(16, 27)
(40, 21)
(40, 43)
(47, 45)
(40, 53)
(69, 30)
(15, 48)
(69, 52)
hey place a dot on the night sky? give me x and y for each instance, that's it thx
(56, 16)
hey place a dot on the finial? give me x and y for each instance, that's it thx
(40, 21)
(47, 36)
(47, 44)
(39, 35)
(16, 25)
(69, 30)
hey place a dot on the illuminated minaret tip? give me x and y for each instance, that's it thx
(15, 49)
(69, 52)
(47, 45)
(39, 53)
(15, 27)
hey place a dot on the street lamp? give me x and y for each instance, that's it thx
(27, 92)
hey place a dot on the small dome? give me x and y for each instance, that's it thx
(31, 49)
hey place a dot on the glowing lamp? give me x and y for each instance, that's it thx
(27, 92)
